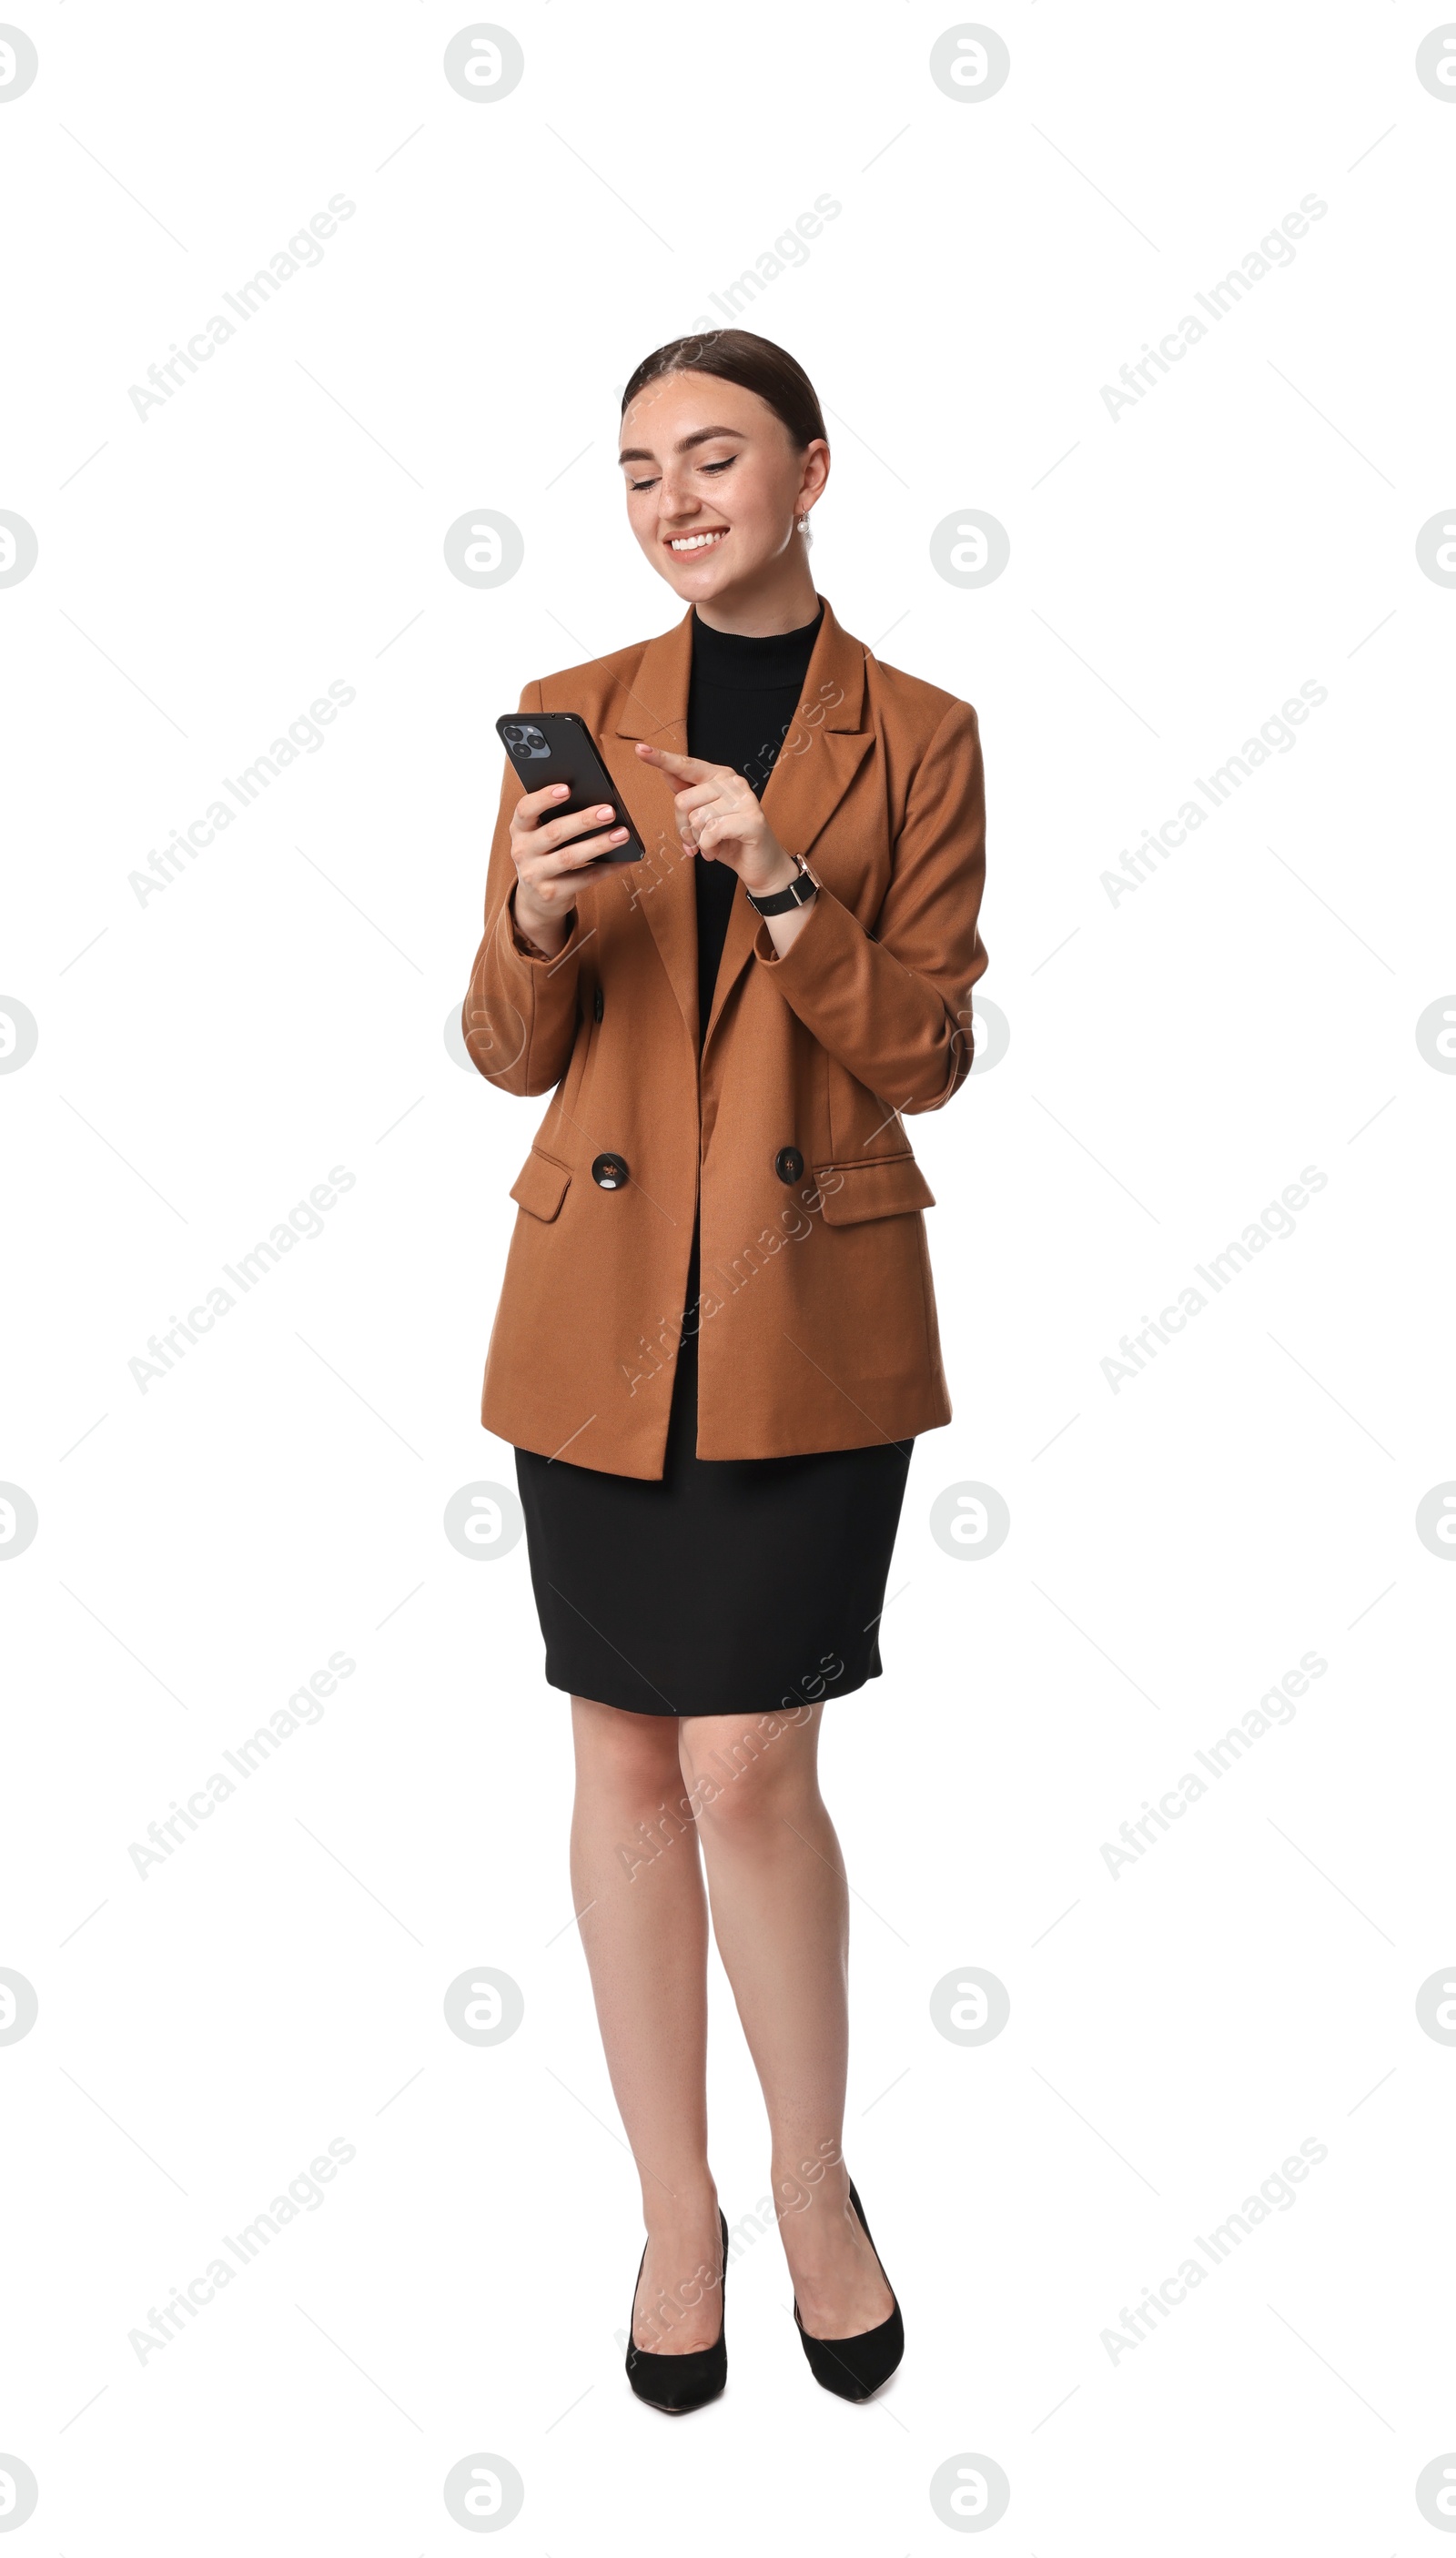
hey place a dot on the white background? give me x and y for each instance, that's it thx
(1176, 1059)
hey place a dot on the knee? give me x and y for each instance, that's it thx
(630, 1756)
(746, 1789)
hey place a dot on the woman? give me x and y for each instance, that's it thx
(716, 1340)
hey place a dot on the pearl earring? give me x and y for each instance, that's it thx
(801, 525)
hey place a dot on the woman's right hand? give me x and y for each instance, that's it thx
(547, 853)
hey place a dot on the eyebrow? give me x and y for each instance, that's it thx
(704, 435)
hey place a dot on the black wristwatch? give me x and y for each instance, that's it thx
(798, 893)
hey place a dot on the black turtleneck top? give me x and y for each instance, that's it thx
(740, 708)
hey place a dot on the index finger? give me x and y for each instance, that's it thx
(691, 767)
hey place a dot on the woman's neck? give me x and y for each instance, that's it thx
(783, 600)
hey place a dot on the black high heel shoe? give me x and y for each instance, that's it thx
(678, 2382)
(855, 2366)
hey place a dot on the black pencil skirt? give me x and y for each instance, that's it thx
(733, 1587)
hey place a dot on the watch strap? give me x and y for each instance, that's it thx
(785, 900)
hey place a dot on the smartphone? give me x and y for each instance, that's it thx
(558, 745)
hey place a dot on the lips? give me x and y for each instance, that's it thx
(688, 545)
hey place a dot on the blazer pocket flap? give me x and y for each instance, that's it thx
(541, 1184)
(874, 1185)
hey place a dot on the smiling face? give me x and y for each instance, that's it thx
(714, 482)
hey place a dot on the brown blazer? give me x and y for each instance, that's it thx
(819, 1321)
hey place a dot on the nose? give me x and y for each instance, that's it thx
(678, 500)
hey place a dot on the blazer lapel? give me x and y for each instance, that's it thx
(817, 761)
(654, 706)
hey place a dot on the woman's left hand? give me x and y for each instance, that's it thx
(719, 818)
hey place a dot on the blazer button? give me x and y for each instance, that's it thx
(610, 1172)
(597, 1005)
(789, 1163)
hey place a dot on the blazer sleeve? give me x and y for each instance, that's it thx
(894, 1005)
(520, 1010)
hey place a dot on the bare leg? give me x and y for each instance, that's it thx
(781, 1916)
(637, 1880)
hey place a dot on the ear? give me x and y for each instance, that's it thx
(815, 473)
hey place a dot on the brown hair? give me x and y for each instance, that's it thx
(753, 363)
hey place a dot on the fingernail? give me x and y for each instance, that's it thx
(604, 812)
(618, 836)
(559, 789)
